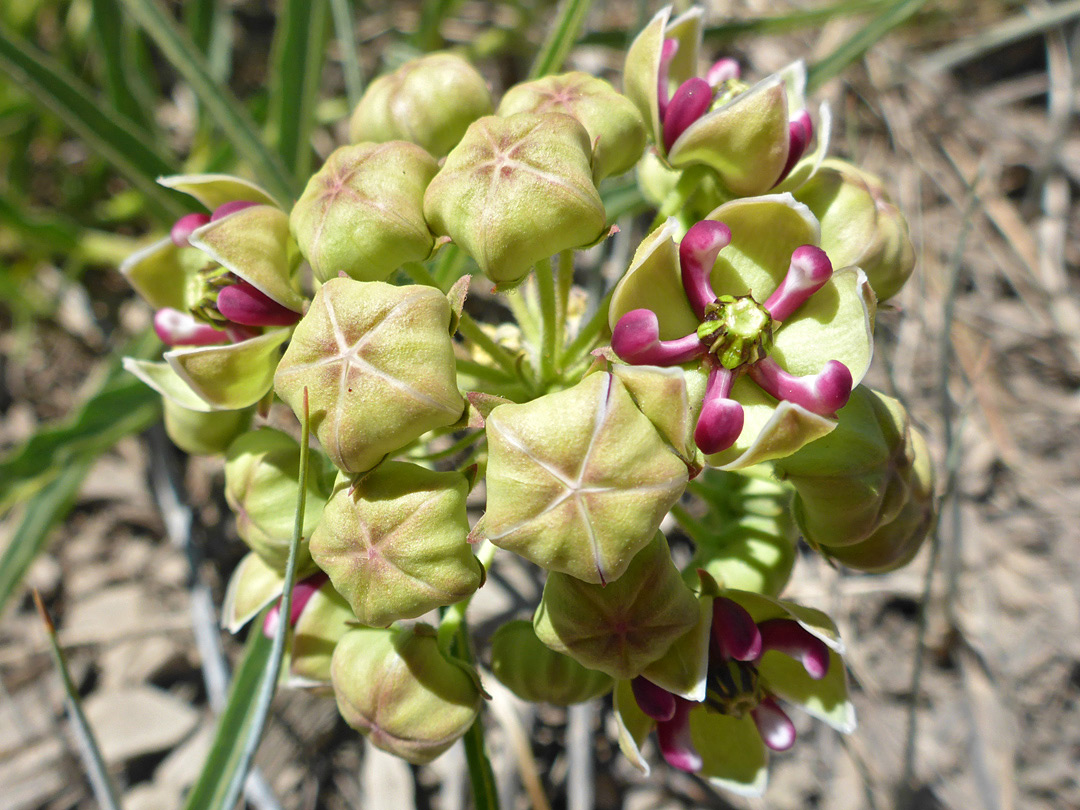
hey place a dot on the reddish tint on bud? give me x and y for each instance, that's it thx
(793, 640)
(667, 53)
(230, 208)
(243, 304)
(823, 393)
(810, 268)
(674, 738)
(691, 101)
(697, 255)
(176, 328)
(723, 70)
(184, 227)
(800, 133)
(734, 632)
(775, 727)
(636, 339)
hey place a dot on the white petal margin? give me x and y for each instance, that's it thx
(155, 274)
(252, 586)
(687, 29)
(825, 699)
(794, 78)
(808, 166)
(213, 190)
(230, 377)
(634, 725)
(163, 379)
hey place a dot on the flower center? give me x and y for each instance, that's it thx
(210, 281)
(734, 688)
(726, 91)
(737, 329)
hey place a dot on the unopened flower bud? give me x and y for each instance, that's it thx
(517, 190)
(203, 433)
(578, 481)
(860, 225)
(262, 472)
(320, 616)
(362, 213)
(429, 101)
(395, 542)
(612, 121)
(624, 626)
(397, 689)
(534, 672)
(378, 364)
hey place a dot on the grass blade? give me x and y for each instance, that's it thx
(108, 27)
(854, 48)
(561, 39)
(234, 724)
(428, 36)
(623, 197)
(105, 131)
(42, 512)
(249, 741)
(299, 50)
(220, 104)
(123, 405)
(93, 762)
(345, 33)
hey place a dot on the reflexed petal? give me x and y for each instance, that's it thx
(234, 376)
(163, 379)
(252, 586)
(814, 621)
(159, 273)
(214, 190)
(654, 281)
(732, 754)
(825, 698)
(641, 72)
(794, 641)
(634, 725)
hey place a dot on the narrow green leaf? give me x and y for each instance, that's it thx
(199, 19)
(561, 39)
(221, 105)
(248, 743)
(108, 27)
(123, 405)
(234, 725)
(428, 36)
(345, 32)
(106, 132)
(299, 50)
(854, 48)
(55, 233)
(41, 513)
(90, 752)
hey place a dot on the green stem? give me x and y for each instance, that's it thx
(453, 449)
(583, 343)
(564, 283)
(545, 282)
(482, 372)
(524, 314)
(471, 331)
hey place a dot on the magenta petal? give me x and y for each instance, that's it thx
(674, 738)
(691, 101)
(800, 133)
(775, 727)
(721, 419)
(723, 70)
(657, 703)
(808, 272)
(697, 255)
(667, 53)
(301, 595)
(824, 393)
(794, 640)
(184, 227)
(241, 303)
(734, 632)
(636, 339)
(176, 328)
(231, 208)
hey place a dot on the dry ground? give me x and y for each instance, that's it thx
(966, 664)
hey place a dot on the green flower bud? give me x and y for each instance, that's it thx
(859, 225)
(202, 433)
(517, 190)
(535, 672)
(857, 478)
(746, 539)
(323, 619)
(395, 542)
(895, 543)
(362, 213)
(395, 688)
(612, 121)
(578, 481)
(378, 364)
(623, 627)
(429, 101)
(262, 473)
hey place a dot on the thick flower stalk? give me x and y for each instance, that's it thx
(749, 298)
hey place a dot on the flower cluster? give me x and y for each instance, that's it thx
(730, 396)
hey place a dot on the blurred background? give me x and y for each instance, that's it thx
(965, 665)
